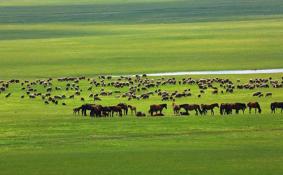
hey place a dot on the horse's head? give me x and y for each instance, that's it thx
(164, 105)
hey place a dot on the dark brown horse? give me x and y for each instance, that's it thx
(227, 108)
(254, 105)
(176, 108)
(275, 105)
(133, 109)
(206, 107)
(106, 111)
(96, 111)
(191, 107)
(116, 109)
(157, 108)
(77, 110)
(140, 114)
(86, 107)
(124, 107)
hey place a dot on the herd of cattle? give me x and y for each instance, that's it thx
(182, 109)
(140, 87)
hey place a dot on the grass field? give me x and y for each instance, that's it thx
(58, 38)
(47, 139)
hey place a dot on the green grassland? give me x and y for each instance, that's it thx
(127, 37)
(57, 38)
(47, 139)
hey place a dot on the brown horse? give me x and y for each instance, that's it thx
(96, 111)
(275, 105)
(77, 110)
(210, 107)
(191, 107)
(176, 108)
(157, 108)
(116, 109)
(133, 109)
(254, 105)
(86, 107)
(140, 114)
(124, 107)
(106, 111)
(227, 108)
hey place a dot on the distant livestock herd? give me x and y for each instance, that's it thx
(180, 110)
(140, 87)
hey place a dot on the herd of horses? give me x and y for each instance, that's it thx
(182, 109)
(142, 88)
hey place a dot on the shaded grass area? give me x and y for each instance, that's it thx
(142, 12)
(68, 49)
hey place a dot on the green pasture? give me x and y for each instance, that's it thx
(61, 38)
(47, 139)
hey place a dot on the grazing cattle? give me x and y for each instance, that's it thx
(96, 98)
(205, 108)
(191, 107)
(256, 94)
(254, 105)
(276, 105)
(157, 108)
(268, 94)
(8, 95)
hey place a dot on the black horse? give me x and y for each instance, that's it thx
(275, 105)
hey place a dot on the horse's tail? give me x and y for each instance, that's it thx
(272, 107)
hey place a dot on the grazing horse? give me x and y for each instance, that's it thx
(239, 106)
(254, 105)
(191, 107)
(86, 107)
(77, 110)
(96, 110)
(227, 108)
(140, 114)
(133, 109)
(176, 108)
(116, 109)
(275, 105)
(106, 111)
(210, 107)
(157, 108)
(124, 107)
